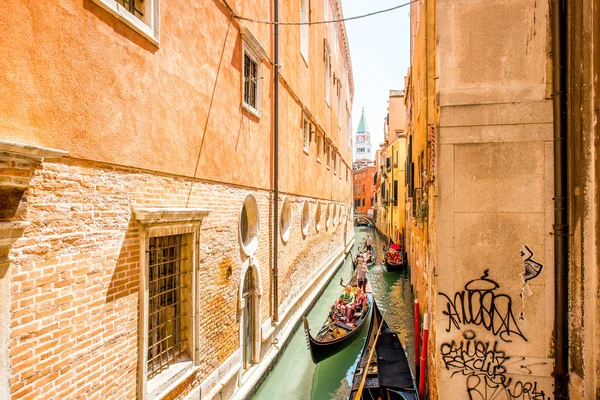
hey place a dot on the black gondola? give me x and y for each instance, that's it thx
(368, 264)
(391, 265)
(335, 334)
(388, 373)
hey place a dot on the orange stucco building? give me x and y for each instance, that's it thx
(364, 189)
(137, 187)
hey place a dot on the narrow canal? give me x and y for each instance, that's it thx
(295, 376)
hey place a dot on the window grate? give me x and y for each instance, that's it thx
(166, 305)
(131, 6)
(250, 81)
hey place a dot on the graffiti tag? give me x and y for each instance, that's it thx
(480, 304)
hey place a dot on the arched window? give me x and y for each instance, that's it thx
(249, 318)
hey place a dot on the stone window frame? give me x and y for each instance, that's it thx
(318, 212)
(285, 220)
(150, 29)
(304, 30)
(157, 222)
(250, 262)
(305, 219)
(306, 134)
(250, 248)
(252, 47)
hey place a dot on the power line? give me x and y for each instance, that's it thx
(322, 22)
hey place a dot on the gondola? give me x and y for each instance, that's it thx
(370, 263)
(388, 373)
(399, 263)
(335, 334)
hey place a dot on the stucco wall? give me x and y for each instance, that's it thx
(494, 208)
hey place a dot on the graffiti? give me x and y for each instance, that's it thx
(473, 357)
(532, 268)
(485, 367)
(480, 304)
(502, 387)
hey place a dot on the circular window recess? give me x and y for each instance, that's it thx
(318, 217)
(335, 214)
(249, 224)
(285, 220)
(305, 218)
(328, 216)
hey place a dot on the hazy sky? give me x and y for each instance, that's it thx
(380, 51)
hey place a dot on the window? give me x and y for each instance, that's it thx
(285, 220)
(349, 128)
(168, 253)
(249, 225)
(168, 273)
(305, 218)
(334, 163)
(395, 193)
(318, 140)
(251, 82)
(141, 15)
(306, 130)
(327, 75)
(339, 109)
(304, 13)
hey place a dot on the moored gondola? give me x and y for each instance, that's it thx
(337, 332)
(383, 370)
(394, 258)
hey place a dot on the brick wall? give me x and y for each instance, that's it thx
(75, 275)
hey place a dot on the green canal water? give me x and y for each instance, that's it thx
(295, 376)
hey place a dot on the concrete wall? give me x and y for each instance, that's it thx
(494, 208)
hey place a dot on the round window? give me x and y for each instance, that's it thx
(335, 214)
(285, 221)
(305, 218)
(249, 225)
(318, 217)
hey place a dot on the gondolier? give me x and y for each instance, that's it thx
(369, 242)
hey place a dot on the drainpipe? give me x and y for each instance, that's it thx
(276, 160)
(561, 225)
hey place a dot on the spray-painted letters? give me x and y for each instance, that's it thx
(480, 304)
(485, 367)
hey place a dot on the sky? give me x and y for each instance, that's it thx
(380, 54)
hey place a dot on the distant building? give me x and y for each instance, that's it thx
(391, 219)
(363, 179)
(362, 142)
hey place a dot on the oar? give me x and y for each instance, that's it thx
(358, 394)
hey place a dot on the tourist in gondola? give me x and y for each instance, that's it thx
(345, 302)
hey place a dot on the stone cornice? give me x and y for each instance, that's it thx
(158, 215)
(31, 151)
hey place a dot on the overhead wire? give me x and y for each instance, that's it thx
(321, 22)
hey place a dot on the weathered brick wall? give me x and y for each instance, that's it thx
(76, 275)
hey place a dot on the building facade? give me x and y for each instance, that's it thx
(480, 196)
(364, 190)
(392, 170)
(138, 253)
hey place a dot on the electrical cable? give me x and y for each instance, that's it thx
(323, 22)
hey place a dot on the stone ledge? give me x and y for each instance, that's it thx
(29, 150)
(169, 215)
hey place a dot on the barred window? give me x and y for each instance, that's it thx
(168, 284)
(251, 81)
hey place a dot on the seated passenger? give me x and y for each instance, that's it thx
(345, 301)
